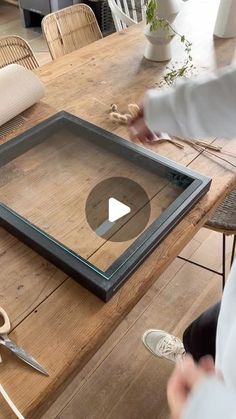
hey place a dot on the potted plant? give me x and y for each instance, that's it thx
(159, 31)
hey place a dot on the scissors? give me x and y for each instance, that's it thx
(13, 347)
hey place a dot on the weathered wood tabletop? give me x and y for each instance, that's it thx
(60, 323)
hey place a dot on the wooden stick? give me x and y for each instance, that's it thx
(200, 143)
(204, 150)
(10, 403)
(193, 143)
(210, 146)
(170, 140)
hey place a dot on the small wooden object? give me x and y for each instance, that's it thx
(134, 110)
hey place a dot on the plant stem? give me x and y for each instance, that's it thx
(155, 22)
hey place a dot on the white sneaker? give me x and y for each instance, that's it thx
(163, 345)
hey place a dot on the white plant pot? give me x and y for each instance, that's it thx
(158, 47)
(225, 26)
(157, 52)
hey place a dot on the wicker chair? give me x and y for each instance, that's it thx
(70, 29)
(15, 50)
(223, 221)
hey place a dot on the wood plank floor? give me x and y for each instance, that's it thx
(123, 381)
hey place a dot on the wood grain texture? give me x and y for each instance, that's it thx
(58, 167)
(62, 324)
(114, 372)
(131, 383)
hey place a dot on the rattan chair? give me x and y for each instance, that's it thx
(224, 221)
(70, 29)
(15, 50)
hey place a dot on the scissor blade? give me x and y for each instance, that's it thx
(23, 355)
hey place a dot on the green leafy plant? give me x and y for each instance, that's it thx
(155, 23)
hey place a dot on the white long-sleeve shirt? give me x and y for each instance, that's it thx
(205, 107)
(200, 107)
(213, 398)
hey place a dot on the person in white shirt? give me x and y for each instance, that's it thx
(203, 384)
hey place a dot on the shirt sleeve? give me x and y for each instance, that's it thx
(197, 108)
(212, 399)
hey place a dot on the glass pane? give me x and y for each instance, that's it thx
(85, 194)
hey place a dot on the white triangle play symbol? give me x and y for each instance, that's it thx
(116, 209)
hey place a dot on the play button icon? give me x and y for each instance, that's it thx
(117, 209)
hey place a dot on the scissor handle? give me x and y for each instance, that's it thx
(6, 326)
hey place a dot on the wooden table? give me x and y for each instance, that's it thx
(53, 317)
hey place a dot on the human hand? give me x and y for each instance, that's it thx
(138, 129)
(184, 379)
